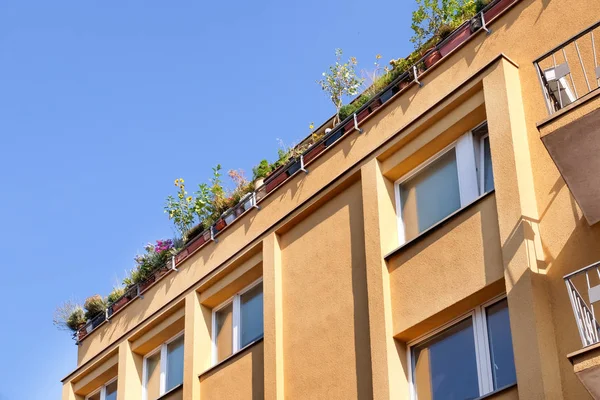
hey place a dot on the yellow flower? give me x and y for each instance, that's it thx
(312, 125)
(181, 180)
(378, 56)
(189, 199)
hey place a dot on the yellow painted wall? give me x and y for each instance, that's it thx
(325, 342)
(451, 263)
(240, 378)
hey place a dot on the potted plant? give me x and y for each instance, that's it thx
(341, 80)
(116, 299)
(431, 21)
(220, 224)
(94, 306)
(69, 316)
(260, 172)
(451, 39)
(497, 7)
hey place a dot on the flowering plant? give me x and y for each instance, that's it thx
(181, 209)
(340, 80)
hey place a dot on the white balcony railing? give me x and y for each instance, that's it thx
(588, 280)
(571, 70)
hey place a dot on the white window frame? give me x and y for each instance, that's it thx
(102, 390)
(236, 314)
(468, 181)
(482, 347)
(162, 349)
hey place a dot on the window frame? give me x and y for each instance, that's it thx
(236, 323)
(102, 389)
(162, 349)
(468, 181)
(483, 357)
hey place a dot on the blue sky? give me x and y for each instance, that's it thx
(104, 103)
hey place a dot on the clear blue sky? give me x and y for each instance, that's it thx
(104, 103)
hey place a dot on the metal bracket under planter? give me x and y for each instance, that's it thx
(356, 124)
(483, 24)
(415, 76)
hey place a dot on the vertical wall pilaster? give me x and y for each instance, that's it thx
(273, 318)
(389, 377)
(536, 357)
(197, 345)
(130, 373)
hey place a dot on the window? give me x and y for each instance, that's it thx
(106, 392)
(466, 360)
(163, 368)
(559, 88)
(238, 322)
(447, 182)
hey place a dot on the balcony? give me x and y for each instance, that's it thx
(583, 287)
(570, 78)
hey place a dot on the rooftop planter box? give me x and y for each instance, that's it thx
(455, 39)
(129, 295)
(281, 174)
(314, 151)
(496, 8)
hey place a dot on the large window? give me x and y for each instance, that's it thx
(238, 322)
(163, 368)
(105, 392)
(445, 183)
(466, 360)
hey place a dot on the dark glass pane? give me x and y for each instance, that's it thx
(445, 367)
(488, 172)
(252, 315)
(501, 350)
(111, 391)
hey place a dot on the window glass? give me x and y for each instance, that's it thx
(445, 367)
(174, 363)
(488, 172)
(501, 350)
(95, 396)
(224, 321)
(251, 303)
(430, 196)
(111, 391)
(153, 377)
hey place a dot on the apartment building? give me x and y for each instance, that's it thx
(438, 244)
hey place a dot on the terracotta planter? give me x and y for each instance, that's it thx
(117, 305)
(314, 151)
(375, 105)
(81, 332)
(147, 283)
(349, 127)
(276, 181)
(363, 114)
(220, 224)
(182, 255)
(455, 40)
(432, 58)
(496, 9)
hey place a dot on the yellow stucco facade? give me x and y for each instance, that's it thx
(344, 297)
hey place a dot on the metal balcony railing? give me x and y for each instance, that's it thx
(571, 70)
(587, 279)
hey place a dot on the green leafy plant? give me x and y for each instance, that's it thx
(261, 170)
(181, 208)
(435, 19)
(211, 199)
(351, 108)
(69, 316)
(115, 294)
(481, 4)
(93, 306)
(341, 80)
